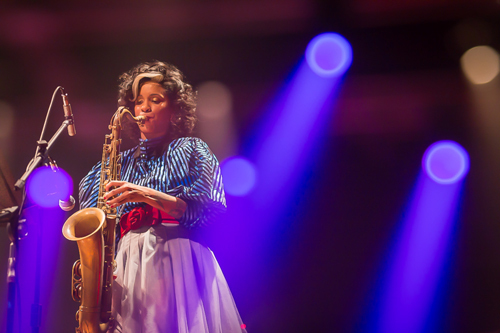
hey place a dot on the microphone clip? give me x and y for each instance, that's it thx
(41, 146)
(70, 119)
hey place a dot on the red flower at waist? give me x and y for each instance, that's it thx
(144, 216)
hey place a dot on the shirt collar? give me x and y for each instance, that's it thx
(150, 147)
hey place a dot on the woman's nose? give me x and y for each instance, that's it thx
(145, 107)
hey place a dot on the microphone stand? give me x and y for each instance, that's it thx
(43, 153)
(11, 215)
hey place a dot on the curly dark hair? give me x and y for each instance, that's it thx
(180, 94)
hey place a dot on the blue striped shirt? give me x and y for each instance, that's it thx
(186, 168)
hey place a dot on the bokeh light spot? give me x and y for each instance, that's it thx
(45, 187)
(214, 100)
(480, 64)
(329, 54)
(446, 162)
(239, 176)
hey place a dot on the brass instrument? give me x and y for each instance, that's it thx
(94, 231)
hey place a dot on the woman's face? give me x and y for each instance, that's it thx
(153, 103)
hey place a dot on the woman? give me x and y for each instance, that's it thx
(167, 281)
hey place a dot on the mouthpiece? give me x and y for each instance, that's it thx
(122, 111)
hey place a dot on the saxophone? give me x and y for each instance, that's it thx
(94, 231)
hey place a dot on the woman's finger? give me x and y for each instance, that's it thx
(114, 183)
(125, 186)
(128, 196)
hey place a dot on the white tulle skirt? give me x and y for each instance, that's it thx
(169, 283)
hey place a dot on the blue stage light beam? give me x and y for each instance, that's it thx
(280, 149)
(40, 247)
(299, 114)
(42, 239)
(417, 261)
(46, 187)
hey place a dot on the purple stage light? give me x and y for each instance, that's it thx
(45, 187)
(420, 253)
(418, 258)
(329, 55)
(239, 176)
(445, 162)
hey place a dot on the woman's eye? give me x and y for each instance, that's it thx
(139, 102)
(156, 101)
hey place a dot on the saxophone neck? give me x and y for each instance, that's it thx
(125, 112)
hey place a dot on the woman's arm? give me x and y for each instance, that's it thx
(124, 192)
(196, 179)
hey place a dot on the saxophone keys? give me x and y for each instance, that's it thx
(77, 292)
(77, 270)
(115, 269)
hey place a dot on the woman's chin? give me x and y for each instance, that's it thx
(152, 134)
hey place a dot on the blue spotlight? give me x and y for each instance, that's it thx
(297, 117)
(445, 162)
(45, 187)
(418, 258)
(329, 55)
(239, 176)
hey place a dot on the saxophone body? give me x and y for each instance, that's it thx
(93, 229)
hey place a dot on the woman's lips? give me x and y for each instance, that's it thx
(148, 118)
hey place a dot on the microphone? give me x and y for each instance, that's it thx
(67, 205)
(68, 113)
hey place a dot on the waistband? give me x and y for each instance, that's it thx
(144, 216)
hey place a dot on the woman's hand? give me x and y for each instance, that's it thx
(124, 192)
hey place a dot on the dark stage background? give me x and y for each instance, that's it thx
(404, 91)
